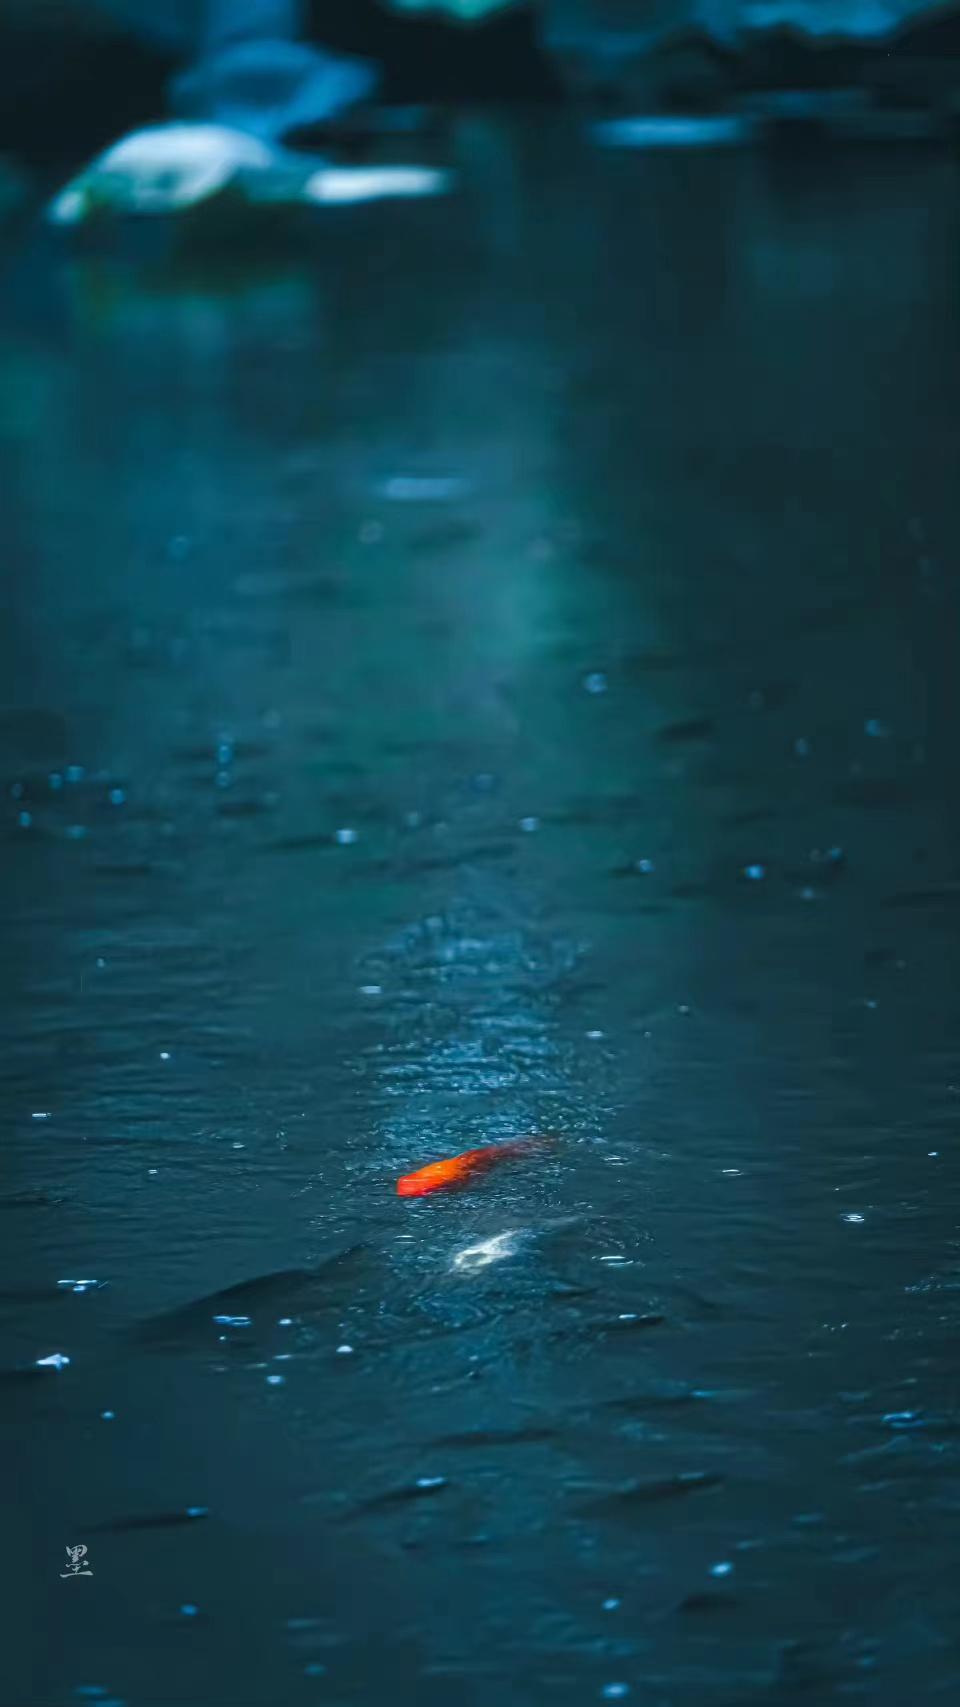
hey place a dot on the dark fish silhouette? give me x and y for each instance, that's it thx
(496, 1437)
(423, 1488)
(149, 1520)
(692, 729)
(635, 1404)
(944, 895)
(636, 1494)
(869, 791)
(303, 1289)
(704, 1601)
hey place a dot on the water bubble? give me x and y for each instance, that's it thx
(188, 1610)
(722, 1569)
(56, 1360)
(285, 1322)
(76, 832)
(164, 1054)
(153, 1170)
(370, 533)
(755, 873)
(100, 963)
(117, 796)
(276, 1380)
(644, 865)
(178, 547)
(40, 1114)
(611, 1604)
(344, 1350)
(108, 1416)
(595, 682)
(594, 1035)
(314, 1669)
(853, 1216)
(431, 1482)
(345, 837)
(801, 747)
(615, 1691)
(529, 825)
(874, 727)
(371, 989)
(24, 819)
(75, 773)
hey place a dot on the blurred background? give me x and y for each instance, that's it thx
(78, 73)
(480, 541)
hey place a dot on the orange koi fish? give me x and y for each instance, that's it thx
(459, 1170)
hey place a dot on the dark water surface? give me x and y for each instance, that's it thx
(606, 515)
